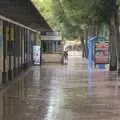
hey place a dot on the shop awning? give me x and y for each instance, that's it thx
(24, 12)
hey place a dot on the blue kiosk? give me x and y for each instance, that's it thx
(91, 51)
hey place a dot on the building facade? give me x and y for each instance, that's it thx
(18, 34)
(51, 46)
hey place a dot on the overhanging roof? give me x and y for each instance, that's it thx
(24, 12)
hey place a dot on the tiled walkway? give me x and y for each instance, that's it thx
(62, 92)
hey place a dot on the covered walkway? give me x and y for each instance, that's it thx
(21, 25)
(62, 92)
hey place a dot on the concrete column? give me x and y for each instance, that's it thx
(1, 106)
(1, 50)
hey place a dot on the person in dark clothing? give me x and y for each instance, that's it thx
(64, 58)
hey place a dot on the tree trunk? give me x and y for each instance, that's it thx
(97, 29)
(116, 40)
(113, 44)
(86, 43)
(117, 37)
(92, 30)
(83, 46)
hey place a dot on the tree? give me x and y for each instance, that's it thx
(102, 11)
(77, 17)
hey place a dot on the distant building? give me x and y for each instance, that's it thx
(51, 47)
(51, 42)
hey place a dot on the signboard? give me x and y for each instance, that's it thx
(102, 53)
(36, 55)
(91, 48)
(51, 33)
(44, 37)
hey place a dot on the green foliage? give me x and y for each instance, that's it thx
(71, 17)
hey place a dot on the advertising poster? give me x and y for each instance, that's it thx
(102, 53)
(36, 55)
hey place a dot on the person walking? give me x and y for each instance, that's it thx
(64, 58)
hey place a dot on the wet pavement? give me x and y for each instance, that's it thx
(62, 92)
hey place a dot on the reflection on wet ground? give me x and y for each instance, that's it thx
(62, 92)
